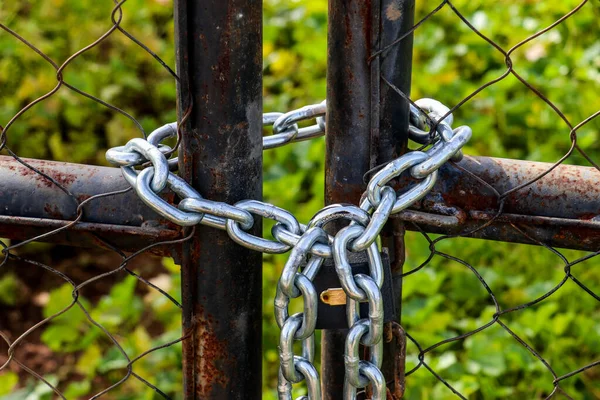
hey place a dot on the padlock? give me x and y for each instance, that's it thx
(331, 312)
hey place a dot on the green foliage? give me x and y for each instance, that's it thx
(8, 382)
(444, 299)
(33, 390)
(120, 312)
(9, 287)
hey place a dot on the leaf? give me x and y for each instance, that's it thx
(89, 361)
(42, 391)
(59, 337)
(78, 389)
(9, 286)
(120, 305)
(8, 382)
(485, 356)
(59, 299)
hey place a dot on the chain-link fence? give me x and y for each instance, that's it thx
(499, 320)
(80, 320)
(483, 319)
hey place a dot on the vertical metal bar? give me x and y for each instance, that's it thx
(396, 19)
(219, 60)
(367, 125)
(348, 139)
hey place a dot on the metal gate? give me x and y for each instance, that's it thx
(219, 145)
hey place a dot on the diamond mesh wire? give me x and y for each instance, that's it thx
(21, 343)
(444, 252)
(493, 315)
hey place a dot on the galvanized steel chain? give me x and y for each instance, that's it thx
(285, 126)
(285, 130)
(300, 326)
(310, 245)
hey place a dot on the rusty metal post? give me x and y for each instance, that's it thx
(219, 60)
(366, 125)
(396, 19)
(348, 139)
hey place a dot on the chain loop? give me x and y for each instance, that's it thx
(217, 209)
(285, 127)
(296, 257)
(282, 235)
(334, 212)
(293, 284)
(294, 369)
(268, 211)
(141, 184)
(121, 157)
(351, 353)
(310, 244)
(441, 152)
(373, 292)
(394, 169)
(378, 220)
(391, 171)
(311, 376)
(342, 264)
(375, 378)
(309, 316)
(158, 160)
(434, 110)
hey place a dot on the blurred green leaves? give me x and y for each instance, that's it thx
(442, 300)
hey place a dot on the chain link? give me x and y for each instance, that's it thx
(285, 127)
(293, 284)
(427, 113)
(310, 245)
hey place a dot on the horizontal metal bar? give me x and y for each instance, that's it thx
(31, 205)
(561, 209)
(86, 234)
(568, 191)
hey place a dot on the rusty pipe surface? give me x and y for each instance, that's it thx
(31, 205)
(568, 191)
(561, 209)
(348, 140)
(219, 62)
(25, 193)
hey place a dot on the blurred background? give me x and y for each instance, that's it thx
(442, 300)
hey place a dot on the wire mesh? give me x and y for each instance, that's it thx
(429, 353)
(101, 270)
(490, 315)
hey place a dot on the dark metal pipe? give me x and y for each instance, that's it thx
(563, 206)
(25, 193)
(395, 19)
(562, 209)
(219, 62)
(86, 234)
(348, 139)
(568, 191)
(31, 205)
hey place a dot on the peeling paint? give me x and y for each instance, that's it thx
(393, 12)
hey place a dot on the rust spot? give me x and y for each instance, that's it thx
(209, 355)
(393, 12)
(64, 178)
(53, 211)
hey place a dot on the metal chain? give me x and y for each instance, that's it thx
(310, 245)
(285, 130)
(301, 326)
(285, 127)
